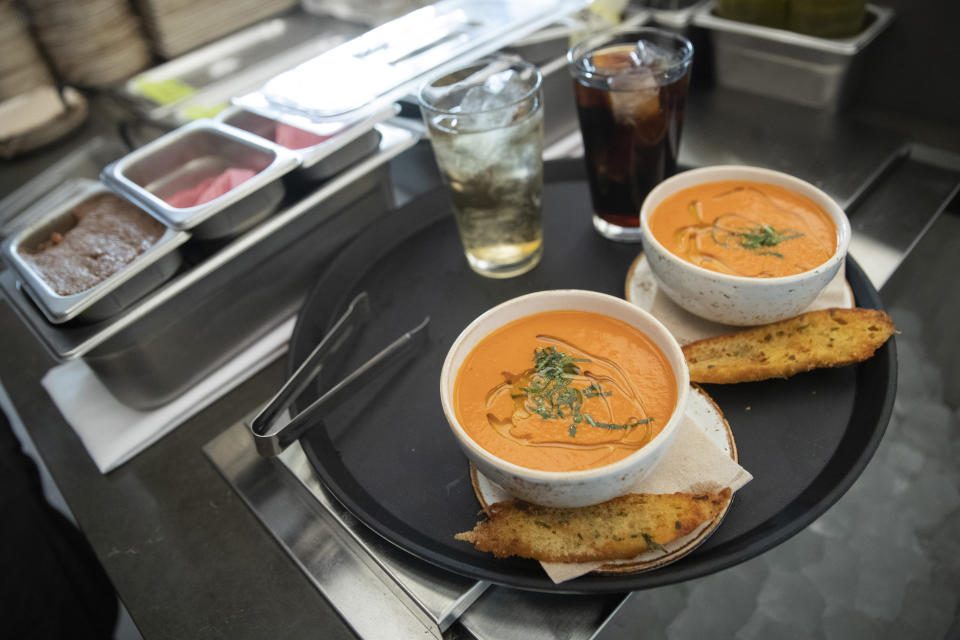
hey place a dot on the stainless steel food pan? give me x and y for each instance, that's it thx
(146, 272)
(817, 72)
(318, 162)
(191, 154)
(180, 333)
(192, 335)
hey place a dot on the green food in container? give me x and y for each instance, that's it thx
(768, 13)
(821, 18)
(198, 111)
(163, 91)
(827, 18)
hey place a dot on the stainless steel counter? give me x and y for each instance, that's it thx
(189, 559)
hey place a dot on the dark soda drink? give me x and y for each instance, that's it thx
(630, 104)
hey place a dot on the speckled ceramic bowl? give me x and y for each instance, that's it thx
(565, 488)
(739, 300)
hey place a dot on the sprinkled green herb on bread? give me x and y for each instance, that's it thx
(618, 529)
(827, 338)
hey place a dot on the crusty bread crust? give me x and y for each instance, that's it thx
(827, 338)
(618, 529)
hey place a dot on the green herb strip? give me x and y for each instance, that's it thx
(606, 425)
(759, 239)
(651, 543)
(763, 236)
(551, 396)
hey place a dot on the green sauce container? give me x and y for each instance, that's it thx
(768, 13)
(827, 18)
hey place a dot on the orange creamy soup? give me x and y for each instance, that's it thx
(745, 229)
(564, 391)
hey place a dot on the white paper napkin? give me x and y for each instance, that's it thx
(114, 433)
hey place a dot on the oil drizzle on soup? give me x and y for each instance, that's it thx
(745, 228)
(564, 391)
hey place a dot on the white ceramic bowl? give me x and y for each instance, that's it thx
(739, 300)
(565, 488)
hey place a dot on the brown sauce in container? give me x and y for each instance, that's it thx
(108, 234)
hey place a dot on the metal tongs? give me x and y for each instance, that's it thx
(271, 439)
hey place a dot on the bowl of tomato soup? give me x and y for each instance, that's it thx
(742, 245)
(564, 398)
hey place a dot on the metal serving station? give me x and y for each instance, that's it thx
(381, 590)
(377, 589)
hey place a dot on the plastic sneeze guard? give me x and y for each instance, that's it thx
(387, 62)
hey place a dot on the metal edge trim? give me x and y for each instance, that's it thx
(215, 451)
(295, 457)
(368, 555)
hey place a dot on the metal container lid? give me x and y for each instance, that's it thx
(363, 75)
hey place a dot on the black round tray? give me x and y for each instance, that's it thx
(388, 454)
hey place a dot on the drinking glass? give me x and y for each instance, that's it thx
(630, 88)
(485, 122)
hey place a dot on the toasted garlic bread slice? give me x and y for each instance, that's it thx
(618, 529)
(827, 338)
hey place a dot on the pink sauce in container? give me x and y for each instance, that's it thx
(210, 188)
(213, 180)
(294, 138)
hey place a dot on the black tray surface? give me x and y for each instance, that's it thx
(388, 454)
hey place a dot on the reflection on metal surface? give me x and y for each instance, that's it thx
(377, 588)
(888, 222)
(506, 613)
(374, 586)
(878, 260)
(835, 155)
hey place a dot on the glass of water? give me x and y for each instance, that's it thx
(486, 125)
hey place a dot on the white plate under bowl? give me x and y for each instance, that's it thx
(642, 290)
